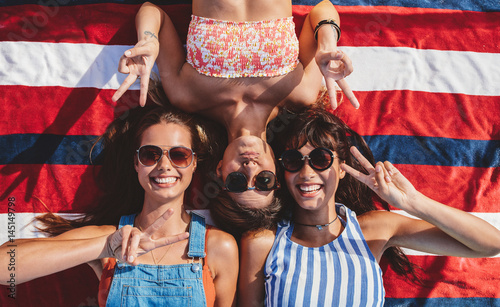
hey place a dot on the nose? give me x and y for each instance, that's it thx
(306, 171)
(250, 165)
(164, 162)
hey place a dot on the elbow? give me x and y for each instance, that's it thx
(492, 252)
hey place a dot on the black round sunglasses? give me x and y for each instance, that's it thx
(264, 181)
(319, 159)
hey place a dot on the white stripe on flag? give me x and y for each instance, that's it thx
(61, 64)
(436, 71)
(375, 68)
(25, 229)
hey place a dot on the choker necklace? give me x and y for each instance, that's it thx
(318, 226)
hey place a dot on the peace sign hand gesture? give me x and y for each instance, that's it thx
(335, 66)
(128, 243)
(385, 180)
(138, 63)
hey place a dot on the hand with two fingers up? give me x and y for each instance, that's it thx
(128, 243)
(138, 63)
(385, 180)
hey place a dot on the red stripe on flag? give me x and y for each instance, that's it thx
(74, 287)
(466, 188)
(447, 277)
(106, 23)
(87, 111)
(62, 188)
(60, 110)
(415, 27)
(446, 115)
(71, 188)
(361, 26)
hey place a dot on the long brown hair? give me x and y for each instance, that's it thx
(321, 128)
(117, 179)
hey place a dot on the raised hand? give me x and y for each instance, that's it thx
(335, 66)
(138, 63)
(384, 179)
(128, 243)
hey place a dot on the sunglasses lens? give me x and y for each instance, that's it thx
(236, 182)
(149, 155)
(265, 181)
(181, 156)
(321, 159)
(292, 160)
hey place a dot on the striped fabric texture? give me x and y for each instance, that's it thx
(341, 273)
(427, 75)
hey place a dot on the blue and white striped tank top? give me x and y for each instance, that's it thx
(341, 273)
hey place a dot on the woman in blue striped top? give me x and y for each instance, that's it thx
(327, 253)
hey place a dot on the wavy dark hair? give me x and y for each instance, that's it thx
(237, 219)
(321, 128)
(117, 179)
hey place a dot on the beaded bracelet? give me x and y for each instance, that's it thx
(327, 22)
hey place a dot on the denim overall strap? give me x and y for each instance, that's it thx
(127, 220)
(196, 236)
(161, 285)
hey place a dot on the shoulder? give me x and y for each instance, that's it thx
(221, 245)
(378, 223)
(375, 224)
(257, 242)
(222, 253)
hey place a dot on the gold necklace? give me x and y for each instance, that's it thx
(153, 255)
(154, 259)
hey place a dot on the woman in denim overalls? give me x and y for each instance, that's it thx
(160, 254)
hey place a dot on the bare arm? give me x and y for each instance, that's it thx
(223, 262)
(139, 61)
(40, 257)
(327, 61)
(443, 230)
(255, 248)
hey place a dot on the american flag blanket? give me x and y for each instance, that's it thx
(427, 74)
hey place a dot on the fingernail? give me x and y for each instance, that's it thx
(130, 258)
(388, 179)
(128, 53)
(378, 168)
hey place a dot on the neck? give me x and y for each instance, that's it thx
(151, 211)
(249, 120)
(315, 228)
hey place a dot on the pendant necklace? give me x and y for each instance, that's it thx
(153, 255)
(318, 226)
(154, 259)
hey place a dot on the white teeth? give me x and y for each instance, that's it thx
(309, 188)
(165, 180)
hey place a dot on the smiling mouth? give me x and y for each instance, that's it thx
(164, 180)
(250, 155)
(309, 188)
